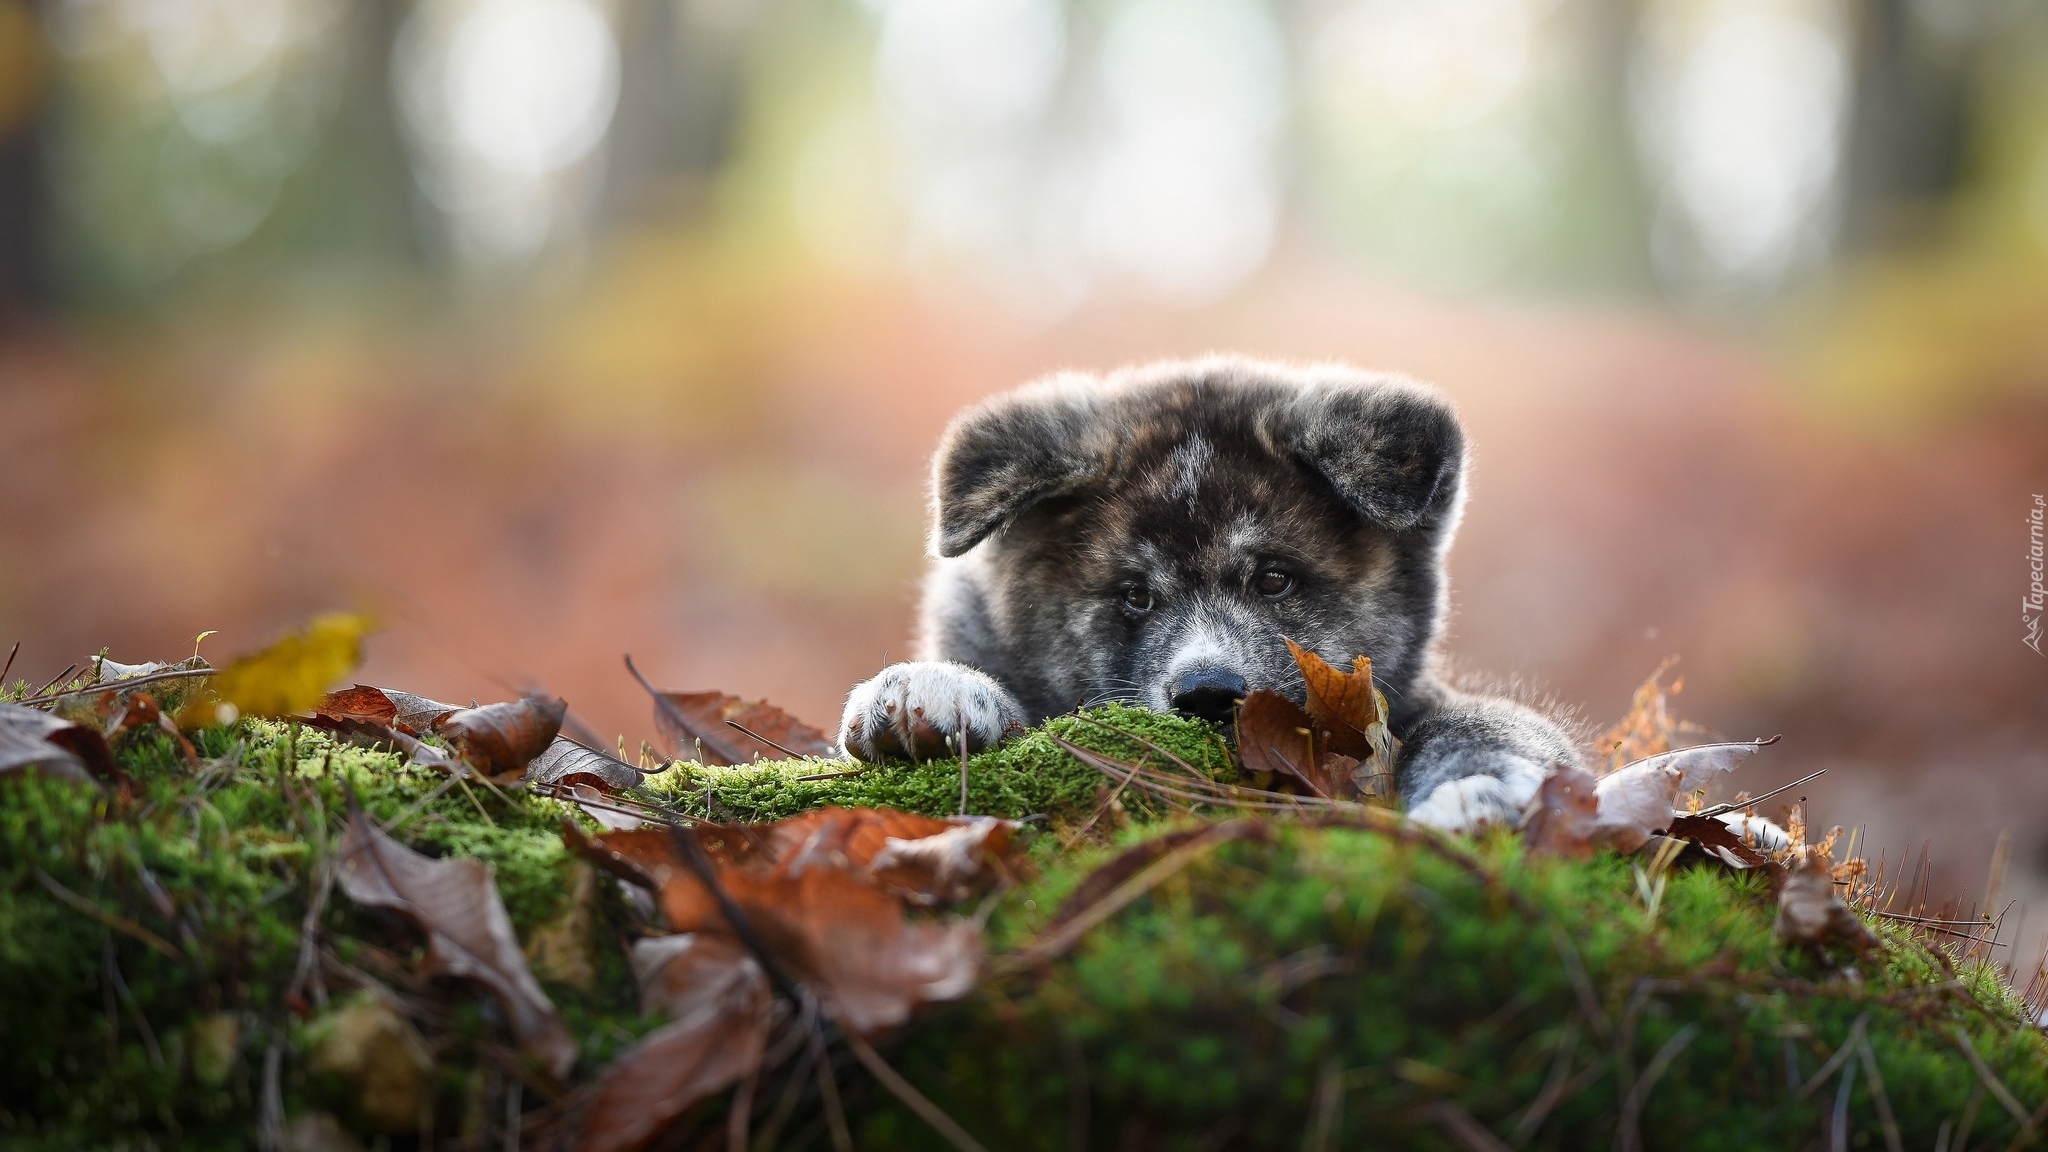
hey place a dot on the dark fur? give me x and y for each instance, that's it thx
(1189, 480)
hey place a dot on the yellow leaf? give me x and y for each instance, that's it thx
(294, 674)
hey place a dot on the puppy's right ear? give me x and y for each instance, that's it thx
(1000, 458)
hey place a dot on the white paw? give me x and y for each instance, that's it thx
(916, 710)
(1471, 802)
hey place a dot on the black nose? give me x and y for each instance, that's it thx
(1207, 693)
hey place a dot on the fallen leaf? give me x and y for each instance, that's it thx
(499, 740)
(1342, 703)
(1563, 814)
(456, 903)
(31, 738)
(410, 714)
(292, 675)
(844, 938)
(1717, 839)
(946, 867)
(810, 897)
(690, 721)
(1810, 914)
(569, 763)
(1278, 738)
(719, 1002)
(1639, 799)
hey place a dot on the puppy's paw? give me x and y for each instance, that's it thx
(1470, 802)
(913, 709)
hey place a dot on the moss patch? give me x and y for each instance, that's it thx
(1331, 978)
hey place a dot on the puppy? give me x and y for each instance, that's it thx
(1151, 536)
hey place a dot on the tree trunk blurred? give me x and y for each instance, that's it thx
(24, 201)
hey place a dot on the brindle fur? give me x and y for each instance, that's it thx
(1189, 479)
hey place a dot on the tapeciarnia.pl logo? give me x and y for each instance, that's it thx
(2037, 597)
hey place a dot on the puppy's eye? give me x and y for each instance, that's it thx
(1138, 598)
(1273, 583)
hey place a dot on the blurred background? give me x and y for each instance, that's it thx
(551, 330)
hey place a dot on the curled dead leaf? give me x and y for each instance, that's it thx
(1343, 703)
(499, 740)
(1810, 914)
(1639, 799)
(32, 739)
(1714, 837)
(456, 903)
(718, 1000)
(1562, 815)
(689, 721)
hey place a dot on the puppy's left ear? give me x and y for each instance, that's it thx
(1393, 449)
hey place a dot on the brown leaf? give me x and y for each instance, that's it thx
(718, 1001)
(499, 740)
(1277, 737)
(359, 702)
(31, 738)
(1810, 913)
(945, 867)
(456, 903)
(1342, 703)
(845, 938)
(410, 714)
(565, 761)
(1561, 817)
(1718, 840)
(689, 721)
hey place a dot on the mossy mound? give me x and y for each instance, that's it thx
(1320, 987)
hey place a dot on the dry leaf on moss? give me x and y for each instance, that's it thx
(32, 739)
(499, 740)
(717, 1001)
(456, 903)
(1640, 798)
(690, 721)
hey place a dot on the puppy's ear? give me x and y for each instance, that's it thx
(1393, 449)
(1002, 457)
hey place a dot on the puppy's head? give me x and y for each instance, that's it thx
(1153, 536)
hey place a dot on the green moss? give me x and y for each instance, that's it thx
(1207, 1011)
(1029, 776)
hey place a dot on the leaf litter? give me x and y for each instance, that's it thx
(753, 936)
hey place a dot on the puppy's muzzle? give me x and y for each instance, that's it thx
(1207, 693)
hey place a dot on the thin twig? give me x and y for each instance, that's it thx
(1106, 804)
(1553, 1088)
(1460, 1126)
(902, 1089)
(1835, 1062)
(1838, 1130)
(1889, 1122)
(789, 752)
(1724, 809)
(1582, 982)
(1628, 1136)
(1327, 1123)
(121, 924)
(1055, 944)
(36, 697)
(9, 666)
(116, 685)
(1991, 1081)
(828, 1089)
